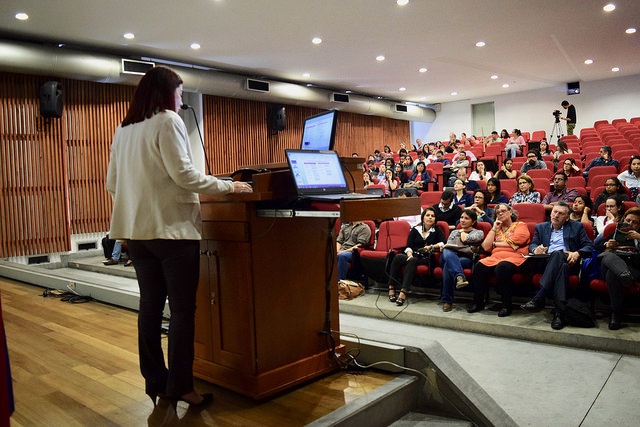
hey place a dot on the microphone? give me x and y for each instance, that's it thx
(206, 160)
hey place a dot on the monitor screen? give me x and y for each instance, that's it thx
(319, 131)
(316, 170)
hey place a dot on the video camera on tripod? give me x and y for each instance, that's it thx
(556, 130)
(557, 114)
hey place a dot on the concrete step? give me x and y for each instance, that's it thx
(413, 419)
(95, 264)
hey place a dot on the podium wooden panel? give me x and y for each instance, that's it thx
(261, 310)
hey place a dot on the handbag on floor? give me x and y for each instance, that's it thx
(348, 289)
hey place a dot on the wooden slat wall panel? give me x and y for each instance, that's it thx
(53, 171)
(236, 133)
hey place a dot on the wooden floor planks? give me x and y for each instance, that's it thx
(77, 365)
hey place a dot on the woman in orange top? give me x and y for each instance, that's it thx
(507, 241)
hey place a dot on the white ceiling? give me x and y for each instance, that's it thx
(531, 44)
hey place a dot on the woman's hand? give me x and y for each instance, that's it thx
(242, 187)
(496, 225)
(587, 211)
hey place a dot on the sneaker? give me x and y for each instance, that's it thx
(110, 262)
(461, 282)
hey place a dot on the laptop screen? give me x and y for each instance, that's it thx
(319, 132)
(317, 172)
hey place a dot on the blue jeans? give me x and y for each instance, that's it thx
(452, 266)
(511, 150)
(343, 264)
(117, 250)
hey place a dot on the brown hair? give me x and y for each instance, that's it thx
(155, 93)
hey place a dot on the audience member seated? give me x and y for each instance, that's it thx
(366, 176)
(423, 239)
(614, 210)
(468, 154)
(389, 163)
(352, 235)
(562, 149)
(560, 193)
(507, 243)
(402, 177)
(462, 174)
(390, 182)
(533, 162)
(457, 255)
(381, 172)
(612, 187)
(504, 134)
(479, 206)
(581, 210)
(422, 157)
(566, 242)
(621, 270)
(377, 156)
(462, 162)
(516, 142)
(526, 193)
(493, 138)
(420, 178)
(481, 173)
(460, 196)
(506, 171)
(631, 177)
(386, 152)
(605, 159)
(495, 196)
(446, 164)
(544, 148)
(407, 164)
(569, 168)
(446, 210)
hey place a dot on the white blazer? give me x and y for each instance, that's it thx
(153, 182)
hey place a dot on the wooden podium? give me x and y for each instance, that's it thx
(261, 317)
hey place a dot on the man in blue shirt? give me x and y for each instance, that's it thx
(604, 160)
(566, 242)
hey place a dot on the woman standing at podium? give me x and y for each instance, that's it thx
(155, 187)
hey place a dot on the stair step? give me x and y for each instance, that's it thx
(414, 419)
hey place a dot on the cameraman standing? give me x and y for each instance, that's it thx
(571, 116)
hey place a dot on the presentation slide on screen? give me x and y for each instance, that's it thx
(317, 133)
(317, 171)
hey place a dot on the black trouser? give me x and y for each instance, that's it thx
(504, 272)
(555, 278)
(410, 266)
(166, 268)
(612, 266)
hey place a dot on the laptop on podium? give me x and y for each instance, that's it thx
(318, 175)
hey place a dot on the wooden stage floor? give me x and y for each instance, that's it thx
(77, 365)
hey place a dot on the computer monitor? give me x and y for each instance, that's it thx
(319, 132)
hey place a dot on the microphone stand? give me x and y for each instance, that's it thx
(195, 118)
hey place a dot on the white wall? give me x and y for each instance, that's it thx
(530, 111)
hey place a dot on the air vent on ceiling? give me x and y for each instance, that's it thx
(401, 108)
(339, 97)
(257, 85)
(130, 66)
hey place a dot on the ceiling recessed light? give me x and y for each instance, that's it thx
(60, 44)
(21, 16)
(128, 36)
(630, 30)
(380, 58)
(195, 46)
(379, 97)
(309, 85)
(506, 85)
(454, 93)
(347, 91)
(494, 77)
(316, 40)
(423, 70)
(610, 7)
(481, 44)
(306, 75)
(588, 61)
(402, 2)
(615, 69)
(402, 89)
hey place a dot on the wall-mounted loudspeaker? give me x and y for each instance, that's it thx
(51, 99)
(339, 97)
(275, 118)
(401, 108)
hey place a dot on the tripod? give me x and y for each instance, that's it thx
(557, 129)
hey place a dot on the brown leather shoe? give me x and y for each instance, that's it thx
(446, 307)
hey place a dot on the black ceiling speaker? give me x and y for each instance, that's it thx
(276, 118)
(51, 99)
